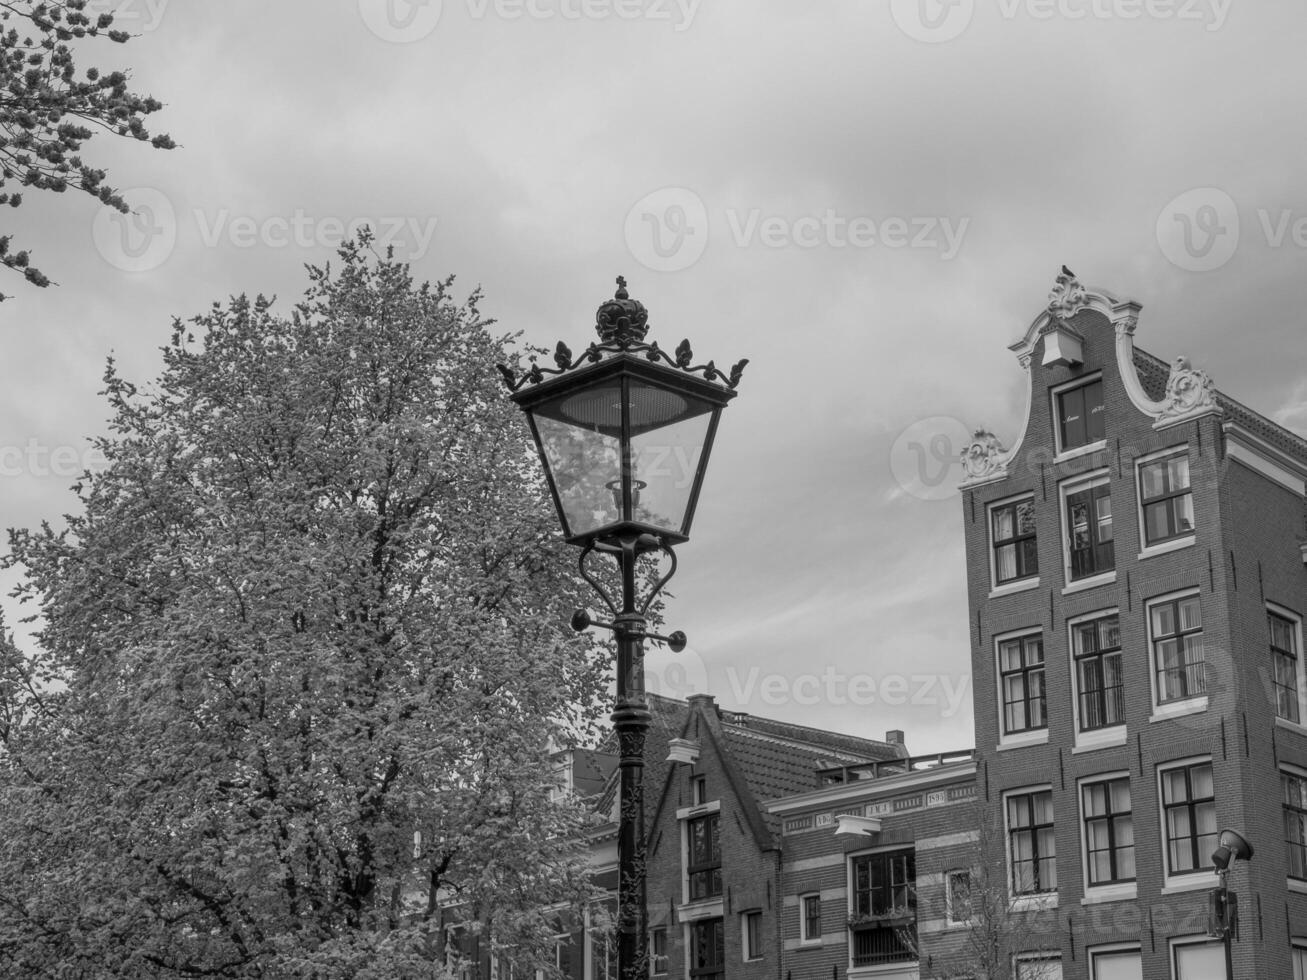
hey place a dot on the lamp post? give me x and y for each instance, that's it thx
(1223, 917)
(624, 431)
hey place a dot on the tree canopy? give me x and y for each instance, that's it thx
(48, 110)
(299, 657)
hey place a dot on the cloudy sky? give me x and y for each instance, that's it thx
(869, 200)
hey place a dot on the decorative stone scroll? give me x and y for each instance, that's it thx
(1068, 297)
(984, 457)
(1189, 391)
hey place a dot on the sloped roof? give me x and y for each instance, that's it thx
(1153, 374)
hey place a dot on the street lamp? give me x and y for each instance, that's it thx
(624, 431)
(1223, 915)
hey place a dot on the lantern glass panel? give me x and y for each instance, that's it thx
(586, 467)
(666, 462)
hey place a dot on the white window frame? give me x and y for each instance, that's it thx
(1099, 737)
(1179, 941)
(1286, 613)
(653, 958)
(1199, 878)
(1112, 949)
(1194, 704)
(1083, 481)
(1294, 884)
(1147, 550)
(1036, 900)
(1034, 736)
(1055, 414)
(1298, 944)
(1019, 584)
(949, 912)
(683, 818)
(1113, 891)
(747, 953)
(1036, 956)
(804, 938)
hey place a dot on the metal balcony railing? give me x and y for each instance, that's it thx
(892, 767)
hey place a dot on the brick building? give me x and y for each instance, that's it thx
(1136, 588)
(715, 850)
(877, 871)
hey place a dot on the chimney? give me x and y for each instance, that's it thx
(894, 736)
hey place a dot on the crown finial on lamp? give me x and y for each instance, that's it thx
(621, 320)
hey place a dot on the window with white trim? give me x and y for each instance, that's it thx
(703, 863)
(658, 959)
(1032, 846)
(1108, 831)
(1012, 538)
(1197, 958)
(1090, 541)
(1293, 792)
(810, 918)
(1037, 967)
(1175, 633)
(751, 934)
(1098, 675)
(1166, 501)
(1021, 683)
(1080, 414)
(1116, 963)
(1299, 954)
(1189, 831)
(1284, 663)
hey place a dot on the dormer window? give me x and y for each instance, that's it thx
(1080, 415)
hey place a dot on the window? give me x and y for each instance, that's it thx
(1109, 832)
(1165, 497)
(810, 918)
(1096, 647)
(1080, 415)
(1198, 960)
(658, 962)
(1039, 968)
(1284, 658)
(1176, 628)
(705, 857)
(707, 950)
(699, 785)
(1116, 964)
(603, 957)
(1189, 817)
(1091, 550)
(885, 884)
(883, 926)
(1021, 672)
(1012, 527)
(1299, 954)
(957, 896)
(751, 934)
(1031, 845)
(1294, 791)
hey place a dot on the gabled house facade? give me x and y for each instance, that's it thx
(716, 891)
(1137, 590)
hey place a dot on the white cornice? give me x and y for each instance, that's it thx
(870, 788)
